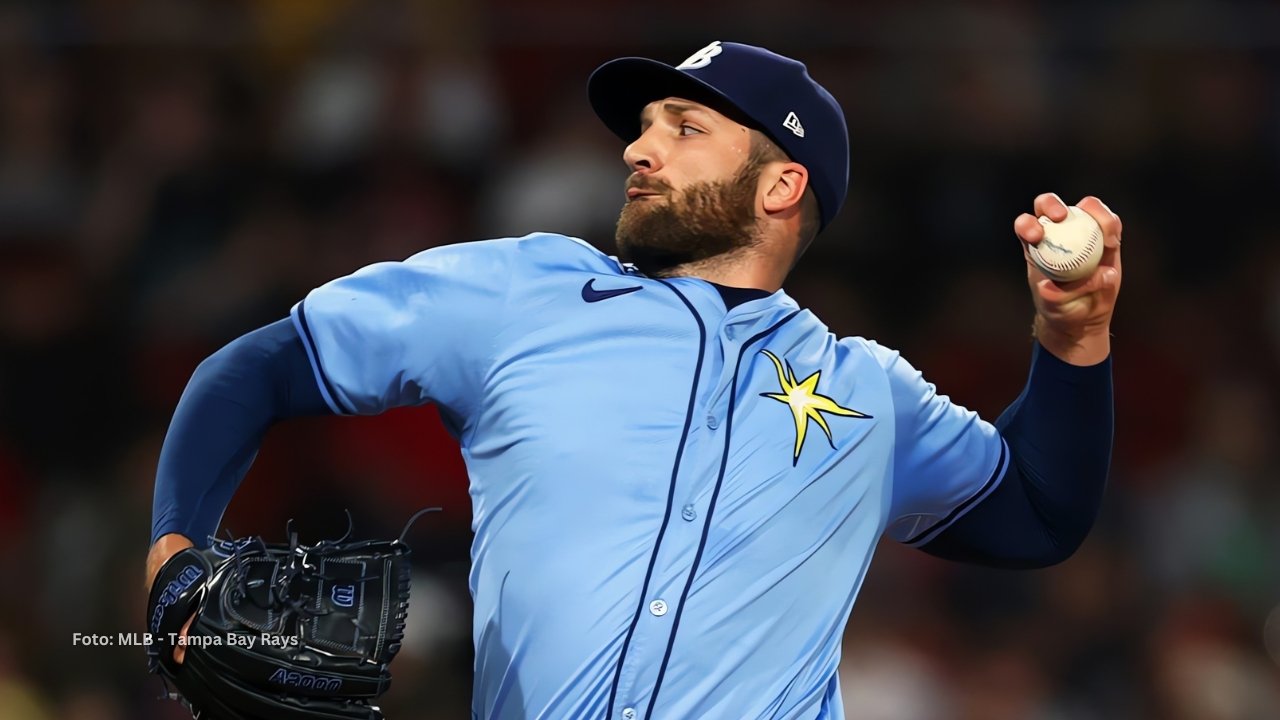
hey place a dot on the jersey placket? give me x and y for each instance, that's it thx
(673, 558)
(733, 336)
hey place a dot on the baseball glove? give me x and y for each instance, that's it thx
(281, 632)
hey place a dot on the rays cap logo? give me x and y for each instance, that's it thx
(753, 86)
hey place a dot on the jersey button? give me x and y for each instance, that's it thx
(689, 513)
(628, 714)
(712, 422)
(658, 608)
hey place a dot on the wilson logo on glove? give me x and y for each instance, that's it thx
(344, 595)
(172, 591)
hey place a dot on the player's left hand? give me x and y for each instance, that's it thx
(1073, 319)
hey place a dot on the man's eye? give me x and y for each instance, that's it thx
(687, 129)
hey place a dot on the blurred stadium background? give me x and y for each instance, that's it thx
(173, 174)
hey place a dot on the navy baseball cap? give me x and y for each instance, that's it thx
(751, 85)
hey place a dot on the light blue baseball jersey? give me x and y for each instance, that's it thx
(674, 504)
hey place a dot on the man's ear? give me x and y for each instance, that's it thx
(786, 186)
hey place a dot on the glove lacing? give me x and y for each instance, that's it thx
(284, 597)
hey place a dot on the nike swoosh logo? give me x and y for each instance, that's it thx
(591, 295)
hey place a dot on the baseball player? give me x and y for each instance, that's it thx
(679, 476)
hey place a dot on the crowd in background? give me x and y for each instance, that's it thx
(173, 174)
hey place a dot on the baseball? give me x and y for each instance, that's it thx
(1070, 249)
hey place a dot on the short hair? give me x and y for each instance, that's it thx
(764, 150)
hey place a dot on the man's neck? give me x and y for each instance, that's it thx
(743, 269)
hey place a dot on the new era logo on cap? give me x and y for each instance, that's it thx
(749, 84)
(792, 123)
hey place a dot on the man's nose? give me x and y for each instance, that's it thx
(643, 155)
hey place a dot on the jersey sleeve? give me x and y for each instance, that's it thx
(946, 458)
(406, 333)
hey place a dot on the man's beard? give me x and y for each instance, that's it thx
(704, 220)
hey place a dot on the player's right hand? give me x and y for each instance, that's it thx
(163, 549)
(1073, 319)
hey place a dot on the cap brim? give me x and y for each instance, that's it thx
(620, 89)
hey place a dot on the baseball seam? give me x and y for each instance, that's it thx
(1076, 260)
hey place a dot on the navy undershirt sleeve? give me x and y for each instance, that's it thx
(1059, 433)
(230, 401)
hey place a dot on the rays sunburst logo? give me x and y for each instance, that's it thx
(806, 403)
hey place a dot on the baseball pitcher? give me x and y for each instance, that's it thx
(679, 476)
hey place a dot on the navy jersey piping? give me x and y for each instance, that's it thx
(711, 507)
(996, 474)
(315, 355)
(671, 492)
